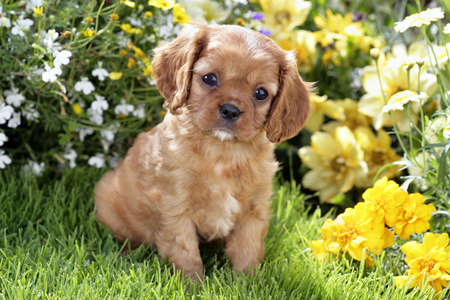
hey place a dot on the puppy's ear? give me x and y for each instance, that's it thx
(291, 106)
(173, 63)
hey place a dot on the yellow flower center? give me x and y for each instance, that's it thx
(347, 233)
(405, 213)
(426, 263)
(401, 96)
(377, 156)
(339, 164)
(282, 16)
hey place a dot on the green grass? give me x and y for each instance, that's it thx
(52, 247)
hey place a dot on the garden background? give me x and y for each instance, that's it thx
(76, 88)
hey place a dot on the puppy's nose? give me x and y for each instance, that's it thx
(229, 112)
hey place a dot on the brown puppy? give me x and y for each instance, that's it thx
(206, 171)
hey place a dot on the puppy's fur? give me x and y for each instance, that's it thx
(196, 176)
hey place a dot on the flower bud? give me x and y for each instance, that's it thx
(374, 53)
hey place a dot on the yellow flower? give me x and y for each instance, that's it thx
(282, 16)
(128, 3)
(138, 52)
(123, 52)
(115, 75)
(148, 14)
(429, 262)
(400, 99)
(304, 44)
(331, 55)
(38, 10)
(319, 249)
(163, 4)
(131, 62)
(322, 107)
(377, 153)
(240, 22)
(77, 108)
(89, 32)
(411, 215)
(441, 53)
(128, 29)
(349, 234)
(393, 80)
(336, 27)
(336, 163)
(89, 20)
(162, 113)
(115, 17)
(352, 117)
(179, 15)
(381, 201)
(419, 19)
(147, 70)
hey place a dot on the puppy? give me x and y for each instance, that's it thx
(206, 171)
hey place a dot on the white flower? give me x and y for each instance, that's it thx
(100, 72)
(4, 159)
(123, 108)
(3, 138)
(84, 85)
(398, 100)
(114, 160)
(83, 132)
(30, 113)
(71, 156)
(61, 58)
(15, 120)
(20, 26)
(100, 104)
(33, 3)
(4, 21)
(48, 39)
(34, 168)
(50, 74)
(134, 21)
(140, 111)
(419, 19)
(5, 112)
(13, 97)
(95, 117)
(98, 160)
(108, 136)
(446, 29)
(405, 62)
(122, 39)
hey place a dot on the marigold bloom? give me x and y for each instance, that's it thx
(429, 262)
(419, 19)
(336, 162)
(400, 99)
(411, 215)
(163, 4)
(114, 17)
(88, 32)
(115, 75)
(38, 10)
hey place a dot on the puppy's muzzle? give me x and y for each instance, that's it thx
(229, 112)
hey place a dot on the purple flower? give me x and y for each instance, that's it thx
(258, 16)
(266, 32)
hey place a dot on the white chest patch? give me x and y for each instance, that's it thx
(224, 221)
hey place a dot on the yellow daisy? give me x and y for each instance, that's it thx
(322, 107)
(163, 4)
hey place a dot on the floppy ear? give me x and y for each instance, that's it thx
(173, 63)
(291, 106)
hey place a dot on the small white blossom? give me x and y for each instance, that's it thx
(50, 74)
(32, 4)
(71, 156)
(95, 117)
(4, 21)
(20, 26)
(123, 40)
(83, 132)
(98, 160)
(4, 159)
(123, 108)
(48, 39)
(446, 29)
(5, 112)
(61, 58)
(15, 120)
(100, 72)
(135, 21)
(84, 85)
(100, 104)
(34, 168)
(30, 113)
(140, 111)
(13, 97)
(3, 138)
(114, 160)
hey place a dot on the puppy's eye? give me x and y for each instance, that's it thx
(261, 94)
(210, 79)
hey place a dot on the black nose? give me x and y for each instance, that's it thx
(230, 112)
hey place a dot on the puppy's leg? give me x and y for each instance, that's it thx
(245, 244)
(177, 240)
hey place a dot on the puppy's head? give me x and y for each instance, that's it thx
(235, 82)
